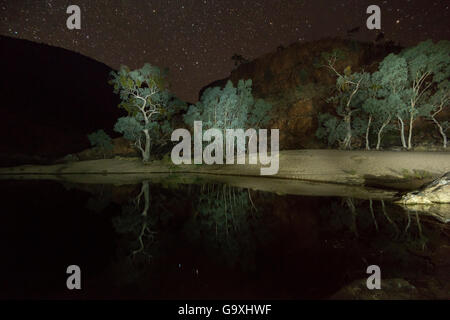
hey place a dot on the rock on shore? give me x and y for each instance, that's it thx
(437, 191)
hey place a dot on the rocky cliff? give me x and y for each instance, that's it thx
(296, 82)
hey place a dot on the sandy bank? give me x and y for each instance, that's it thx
(377, 168)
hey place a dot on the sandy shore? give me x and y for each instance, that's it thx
(377, 168)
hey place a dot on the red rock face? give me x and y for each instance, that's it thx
(298, 126)
(296, 82)
(123, 147)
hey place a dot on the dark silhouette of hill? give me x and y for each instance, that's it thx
(51, 98)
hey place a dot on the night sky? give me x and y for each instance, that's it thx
(197, 38)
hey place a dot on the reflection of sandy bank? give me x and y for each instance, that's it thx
(279, 186)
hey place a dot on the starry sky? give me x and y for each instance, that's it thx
(195, 39)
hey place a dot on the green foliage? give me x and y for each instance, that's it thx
(428, 57)
(412, 84)
(393, 73)
(161, 128)
(229, 108)
(150, 106)
(225, 221)
(333, 129)
(428, 68)
(101, 140)
(347, 100)
(330, 128)
(130, 127)
(437, 104)
(359, 126)
(134, 87)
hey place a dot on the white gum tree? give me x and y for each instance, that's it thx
(144, 96)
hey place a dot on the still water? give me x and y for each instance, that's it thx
(208, 240)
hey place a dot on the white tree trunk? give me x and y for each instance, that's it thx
(348, 137)
(411, 120)
(367, 133)
(402, 131)
(145, 190)
(441, 131)
(381, 131)
(146, 151)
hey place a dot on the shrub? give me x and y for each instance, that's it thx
(100, 140)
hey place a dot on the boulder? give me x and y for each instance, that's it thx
(437, 191)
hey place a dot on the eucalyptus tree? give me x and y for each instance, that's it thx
(381, 104)
(392, 77)
(331, 128)
(408, 85)
(369, 107)
(428, 65)
(145, 97)
(384, 115)
(230, 108)
(438, 102)
(101, 140)
(348, 86)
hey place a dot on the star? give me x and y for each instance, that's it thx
(196, 39)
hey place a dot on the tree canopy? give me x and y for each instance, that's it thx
(230, 108)
(410, 85)
(149, 104)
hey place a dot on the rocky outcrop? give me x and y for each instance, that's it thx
(121, 147)
(437, 191)
(296, 82)
(433, 199)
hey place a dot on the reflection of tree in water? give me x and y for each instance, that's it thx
(139, 221)
(226, 223)
(398, 238)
